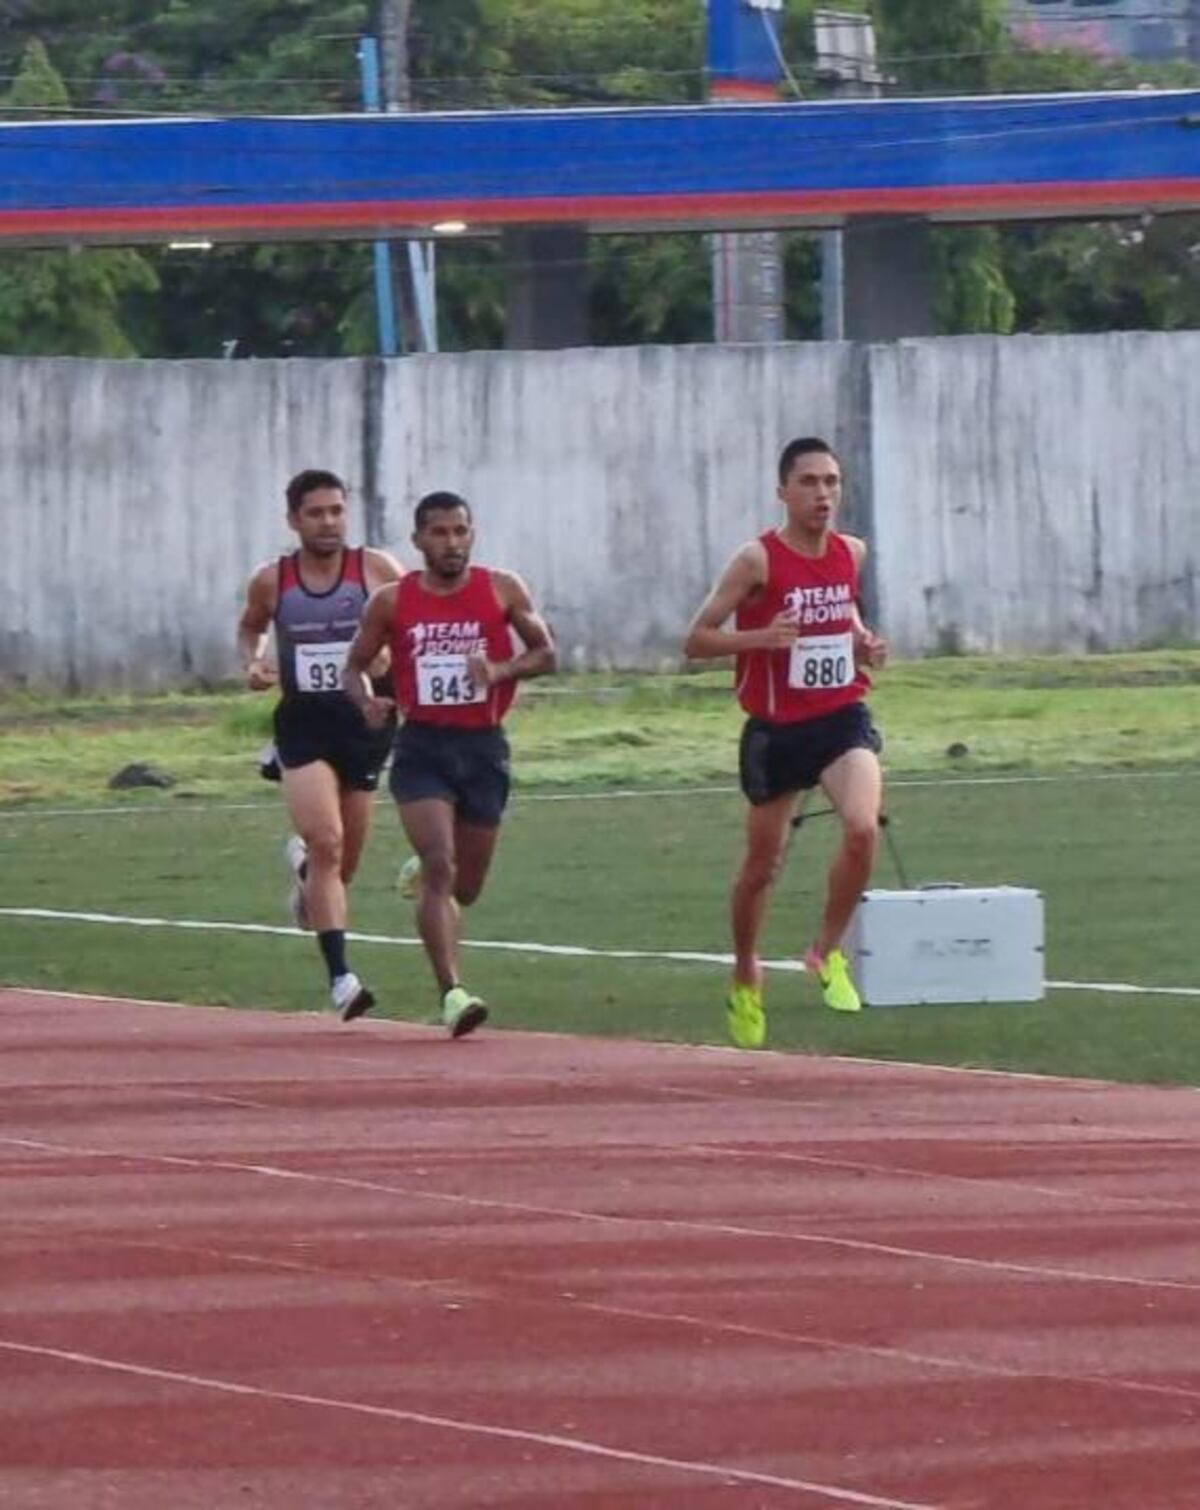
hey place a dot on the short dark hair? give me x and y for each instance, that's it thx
(436, 503)
(801, 447)
(311, 481)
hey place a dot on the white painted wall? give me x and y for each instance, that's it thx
(1038, 493)
(617, 482)
(1018, 493)
(135, 499)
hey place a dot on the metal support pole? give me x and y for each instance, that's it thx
(385, 298)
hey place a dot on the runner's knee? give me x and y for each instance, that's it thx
(760, 871)
(325, 846)
(438, 869)
(860, 833)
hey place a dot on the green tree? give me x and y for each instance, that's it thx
(37, 92)
(1040, 276)
(62, 302)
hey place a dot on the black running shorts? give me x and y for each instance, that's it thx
(310, 727)
(465, 767)
(774, 759)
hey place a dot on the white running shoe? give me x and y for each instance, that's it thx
(295, 852)
(409, 879)
(350, 997)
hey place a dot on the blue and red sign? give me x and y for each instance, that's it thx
(723, 166)
(743, 49)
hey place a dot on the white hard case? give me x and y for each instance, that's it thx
(948, 944)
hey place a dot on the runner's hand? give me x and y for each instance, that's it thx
(377, 711)
(261, 675)
(481, 671)
(871, 650)
(780, 634)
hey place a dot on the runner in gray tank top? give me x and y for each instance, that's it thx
(329, 759)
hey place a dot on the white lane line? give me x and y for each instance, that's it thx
(573, 951)
(518, 946)
(899, 1355)
(605, 1218)
(987, 1184)
(616, 794)
(580, 1445)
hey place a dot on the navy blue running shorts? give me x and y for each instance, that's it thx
(774, 759)
(468, 768)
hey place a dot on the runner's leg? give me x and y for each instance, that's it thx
(766, 840)
(356, 823)
(430, 827)
(474, 847)
(854, 784)
(314, 806)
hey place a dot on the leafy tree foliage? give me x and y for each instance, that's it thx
(159, 56)
(62, 303)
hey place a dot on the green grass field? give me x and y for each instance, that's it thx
(1091, 794)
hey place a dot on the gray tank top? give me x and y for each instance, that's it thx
(313, 630)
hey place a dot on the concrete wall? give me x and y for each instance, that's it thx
(1038, 493)
(1018, 493)
(617, 482)
(136, 497)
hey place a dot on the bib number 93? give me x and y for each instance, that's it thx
(319, 667)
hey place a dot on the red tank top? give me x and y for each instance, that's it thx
(818, 675)
(432, 636)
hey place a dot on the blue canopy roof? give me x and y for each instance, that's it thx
(263, 178)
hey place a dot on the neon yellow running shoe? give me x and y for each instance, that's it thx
(834, 975)
(462, 1013)
(409, 879)
(745, 1018)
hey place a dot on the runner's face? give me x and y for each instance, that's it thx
(813, 491)
(445, 540)
(320, 521)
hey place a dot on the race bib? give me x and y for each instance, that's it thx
(319, 667)
(821, 662)
(442, 682)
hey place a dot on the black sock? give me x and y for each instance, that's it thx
(333, 947)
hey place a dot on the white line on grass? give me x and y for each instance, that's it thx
(517, 946)
(617, 794)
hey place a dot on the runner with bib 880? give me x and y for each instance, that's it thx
(801, 649)
(450, 629)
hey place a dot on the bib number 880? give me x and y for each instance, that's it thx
(825, 671)
(822, 662)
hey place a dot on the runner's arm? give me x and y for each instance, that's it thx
(870, 649)
(253, 628)
(373, 636)
(707, 639)
(380, 568)
(539, 657)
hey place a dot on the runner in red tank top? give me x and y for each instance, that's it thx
(455, 666)
(801, 650)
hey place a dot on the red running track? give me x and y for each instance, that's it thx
(264, 1260)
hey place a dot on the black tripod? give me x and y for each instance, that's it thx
(885, 823)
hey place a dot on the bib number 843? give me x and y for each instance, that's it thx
(443, 682)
